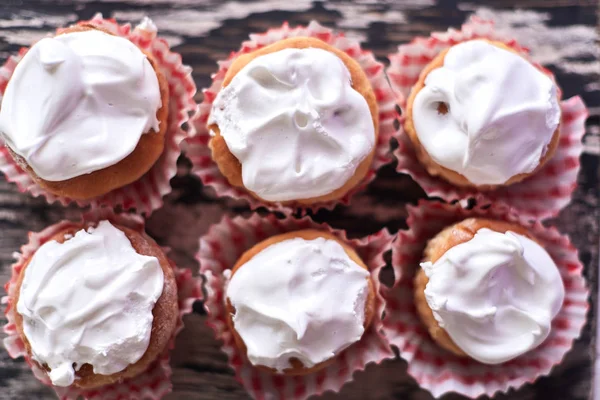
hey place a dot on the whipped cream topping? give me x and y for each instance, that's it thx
(501, 113)
(495, 295)
(79, 102)
(298, 298)
(89, 300)
(295, 124)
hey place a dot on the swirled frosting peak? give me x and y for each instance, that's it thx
(89, 300)
(79, 102)
(487, 113)
(495, 295)
(302, 299)
(295, 123)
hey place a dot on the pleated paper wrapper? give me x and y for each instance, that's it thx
(440, 371)
(197, 148)
(539, 196)
(155, 382)
(221, 247)
(146, 194)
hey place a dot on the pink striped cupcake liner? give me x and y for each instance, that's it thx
(197, 146)
(440, 371)
(155, 382)
(221, 247)
(144, 195)
(541, 195)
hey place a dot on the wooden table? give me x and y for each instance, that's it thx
(561, 34)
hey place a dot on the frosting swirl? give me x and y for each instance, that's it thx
(79, 102)
(295, 124)
(298, 298)
(499, 113)
(89, 300)
(495, 295)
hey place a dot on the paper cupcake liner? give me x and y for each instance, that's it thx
(155, 382)
(440, 371)
(221, 247)
(197, 146)
(145, 195)
(539, 196)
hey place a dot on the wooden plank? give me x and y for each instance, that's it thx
(561, 33)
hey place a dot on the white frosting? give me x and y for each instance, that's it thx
(495, 295)
(78, 103)
(298, 298)
(295, 123)
(502, 113)
(147, 25)
(89, 300)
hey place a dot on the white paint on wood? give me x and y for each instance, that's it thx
(198, 23)
(362, 16)
(30, 26)
(591, 145)
(170, 3)
(359, 15)
(596, 374)
(32, 19)
(558, 46)
(24, 37)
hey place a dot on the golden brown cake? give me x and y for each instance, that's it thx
(294, 244)
(69, 158)
(164, 312)
(231, 167)
(483, 268)
(489, 158)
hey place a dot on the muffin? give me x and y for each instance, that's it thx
(95, 305)
(296, 300)
(294, 122)
(483, 116)
(96, 118)
(487, 290)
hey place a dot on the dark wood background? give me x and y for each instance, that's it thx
(561, 34)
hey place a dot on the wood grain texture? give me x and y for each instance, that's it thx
(564, 37)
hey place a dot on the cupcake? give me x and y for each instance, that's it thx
(296, 121)
(482, 116)
(488, 290)
(85, 112)
(95, 305)
(485, 300)
(296, 300)
(296, 305)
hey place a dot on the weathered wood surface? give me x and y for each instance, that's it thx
(561, 34)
